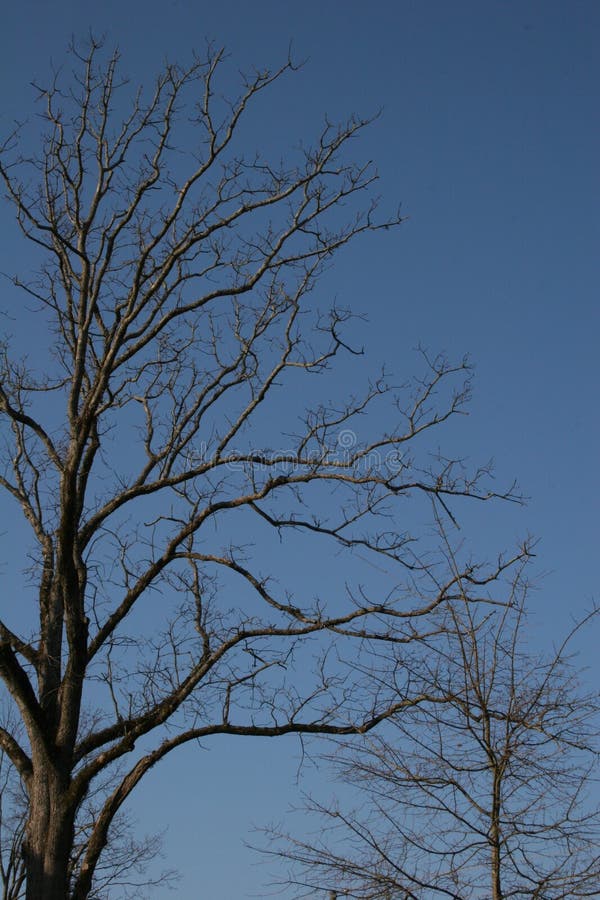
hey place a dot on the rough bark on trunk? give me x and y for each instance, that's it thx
(49, 839)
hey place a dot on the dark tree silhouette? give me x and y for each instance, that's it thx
(174, 272)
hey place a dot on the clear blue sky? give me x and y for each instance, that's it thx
(490, 138)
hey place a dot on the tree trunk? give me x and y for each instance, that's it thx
(49, 838)
(494, 835)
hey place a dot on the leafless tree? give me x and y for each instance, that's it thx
(487, 790)
(174, 272)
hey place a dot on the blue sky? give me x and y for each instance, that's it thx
(489, 136)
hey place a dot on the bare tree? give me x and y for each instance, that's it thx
(487, 790)
(175, 274)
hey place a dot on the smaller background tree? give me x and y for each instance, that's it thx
(486, 790)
